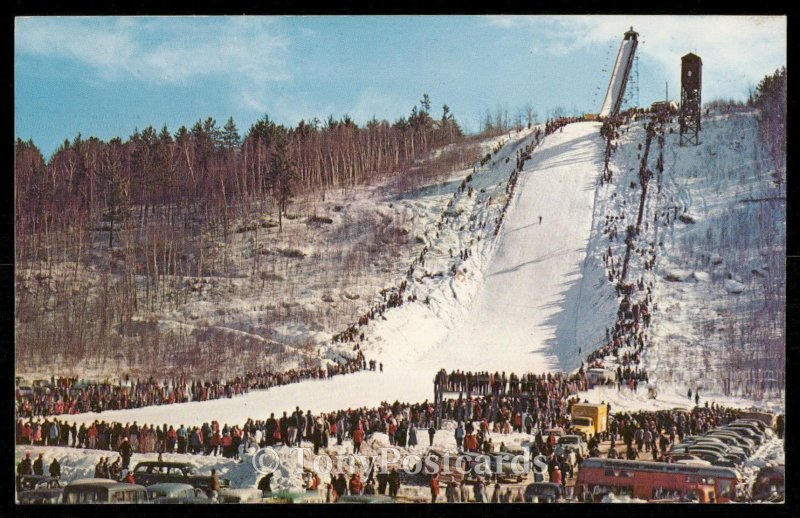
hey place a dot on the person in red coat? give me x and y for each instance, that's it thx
(434, 487)
(358, 438)
(555, 477)
(356, 486)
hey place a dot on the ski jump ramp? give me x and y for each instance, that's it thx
(619, 76)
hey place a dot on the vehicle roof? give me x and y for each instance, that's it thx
(367, 498)
(747, 430)
(36, 477)
(91, 481)
(109, 484)
(570, 436)
(727, 432)
(169, 486)
(42, 491)
(595, 462)
(693, 462)
(182, 500)
(543, 484)
(165, 463)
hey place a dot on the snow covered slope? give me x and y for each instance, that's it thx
(525, 313)
(512, 306)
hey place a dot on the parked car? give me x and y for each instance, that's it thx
(100, 491)
(744, 431)
(732, 440)
(755, 427)
(741, 441)
(294, 497)
(600, 376)
(726, 448)
(176, 493)
(770, 484)
(574, 442)
(757, 422)
(42, 386)
(228, 495)
(715, 458)
(39, 489)
(544, 492)
(148, 473)
(24, 391)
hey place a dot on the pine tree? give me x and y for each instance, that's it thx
(230, 135)
(282, 174)
(426, 103)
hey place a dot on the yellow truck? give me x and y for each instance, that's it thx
(589, 419)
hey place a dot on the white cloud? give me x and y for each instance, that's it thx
(161, 50)
(737, 51)
(734, 49)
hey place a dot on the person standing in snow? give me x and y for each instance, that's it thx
(697, 397)
(394, 482)
(38, 465)
(115, 469)
(434, 484)
(125, 451)
(358, 438)
(98, 467)
(480, 491)
(265, 484)
(356, 486)
(55, 469)
(451, 493)
(302, 422)
(24, 467)
(431, 433)
(459, 435)
(496, 493)
(383, 480)
(339, 486)
(316, 438)
(412, 436)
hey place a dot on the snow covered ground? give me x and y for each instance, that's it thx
(523, 300)
(731, 223)
(79, 463)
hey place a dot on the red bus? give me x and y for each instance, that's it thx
(660, 481)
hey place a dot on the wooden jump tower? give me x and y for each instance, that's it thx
(691, 107)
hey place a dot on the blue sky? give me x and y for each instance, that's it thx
(106, 76)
